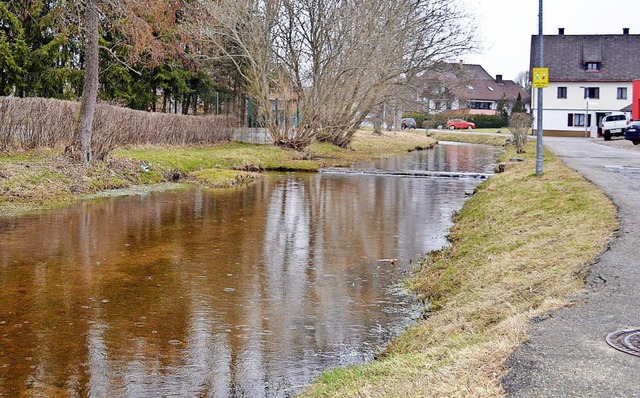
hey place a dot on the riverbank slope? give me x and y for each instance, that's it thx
(41, 179)
(519, 246)
(567, 354)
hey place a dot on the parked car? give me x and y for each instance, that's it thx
(613, 124)
(408, 123)
(632, 132)
(453, 124)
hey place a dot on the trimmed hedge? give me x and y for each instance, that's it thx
(481, 121)
(489, 121)
(418, 116)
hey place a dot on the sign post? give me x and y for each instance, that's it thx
(540, 76)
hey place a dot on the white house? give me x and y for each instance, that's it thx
(589, 77)
(467, 88)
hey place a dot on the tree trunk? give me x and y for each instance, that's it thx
(195, 103)
(377, 121)
(186, 103)
(90, 89)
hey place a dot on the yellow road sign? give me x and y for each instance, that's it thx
(540, 77)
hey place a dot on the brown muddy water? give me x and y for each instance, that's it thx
(250, 292)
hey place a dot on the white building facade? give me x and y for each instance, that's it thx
(590, 76)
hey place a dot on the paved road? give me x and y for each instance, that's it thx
(567, 355)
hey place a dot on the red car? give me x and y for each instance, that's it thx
(453, 124)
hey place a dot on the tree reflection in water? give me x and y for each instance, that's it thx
(247, 292)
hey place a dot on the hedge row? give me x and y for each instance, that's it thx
(440, 120)
(29, 123)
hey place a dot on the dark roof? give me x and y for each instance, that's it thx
(445, 71)
(491, 90)
(566, 55)
(469, 82)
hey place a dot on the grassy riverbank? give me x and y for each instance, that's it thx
(470, 138)
(520, 245)
(46, 179)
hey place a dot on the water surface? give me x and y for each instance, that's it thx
(247, 292)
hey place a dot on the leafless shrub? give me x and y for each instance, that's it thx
(337, 60)
(29, 123)
(519, 124)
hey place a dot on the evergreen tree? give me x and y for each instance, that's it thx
(519, 106)
(503, 110)
(13, 51)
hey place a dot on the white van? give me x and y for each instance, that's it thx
(613, 124)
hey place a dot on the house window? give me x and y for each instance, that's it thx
(479, 105)
(592, 66)
(562, 92)
(592, 92)
(577, 120)
(622, 93)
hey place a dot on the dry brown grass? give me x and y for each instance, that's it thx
(390, 142)
(470, 138)
(520, 246)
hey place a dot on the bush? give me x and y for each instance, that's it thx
(488, 121)
(419, 117)
(519, 124)
(440, 119)
(30, 123)
(482, 121)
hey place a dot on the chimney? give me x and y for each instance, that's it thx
(561, 31)
(498, 78)
(625, 31)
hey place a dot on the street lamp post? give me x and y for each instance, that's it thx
(586, 120)
(539, 133)
(586, 114)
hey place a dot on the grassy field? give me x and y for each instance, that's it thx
(520, 245)
(470, 138)
(45, 179)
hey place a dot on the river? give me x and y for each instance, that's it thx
(247, 292)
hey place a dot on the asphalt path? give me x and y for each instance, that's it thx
(567, 355)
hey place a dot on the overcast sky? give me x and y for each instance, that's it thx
(506, 26)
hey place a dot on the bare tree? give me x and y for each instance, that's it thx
(519, 124)
(90, 89)
(244, 31)
(524, 79)
(339, 59)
